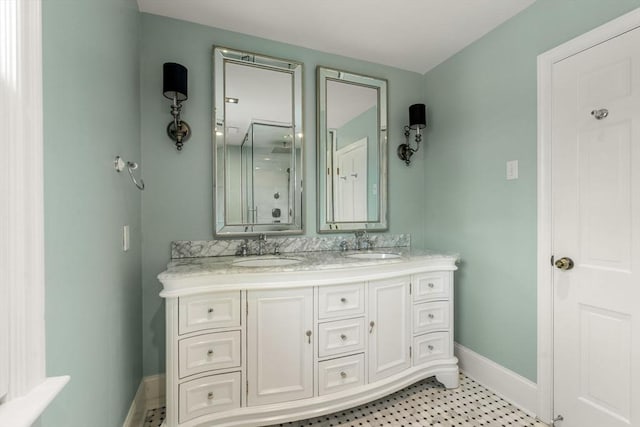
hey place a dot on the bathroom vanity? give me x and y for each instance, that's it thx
(263, 340)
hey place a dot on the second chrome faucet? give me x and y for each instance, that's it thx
(244, 249)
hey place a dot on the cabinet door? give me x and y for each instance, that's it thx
(279, 345)
(389, 327)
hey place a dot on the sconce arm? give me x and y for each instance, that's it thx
(178, 130)
(404, 150)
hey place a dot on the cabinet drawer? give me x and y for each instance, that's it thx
(199, 312)
(430, 316)
(341, 336)
(340, 374)
(206, 352)
(340, 300)
(208, 395)
(430, 347)
(431, 286)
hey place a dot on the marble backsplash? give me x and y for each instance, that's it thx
(208, 248)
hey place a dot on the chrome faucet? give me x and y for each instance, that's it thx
(262, 240)
(363, 241)
(243, 249)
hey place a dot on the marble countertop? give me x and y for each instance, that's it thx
(192, 275)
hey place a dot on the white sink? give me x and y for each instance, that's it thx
(271, 261)
(374, 255)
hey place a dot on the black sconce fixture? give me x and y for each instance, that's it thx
(174, 87)
(417, 122)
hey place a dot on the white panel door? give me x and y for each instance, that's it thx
(596, 223)
(280, 345)
(351, 182)
(389, 327)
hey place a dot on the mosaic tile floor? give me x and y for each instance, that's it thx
(423, 404)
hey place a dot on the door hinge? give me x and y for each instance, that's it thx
(246, 388)
(410, 353)
(552, 258)
(247, 307)
(410, 288)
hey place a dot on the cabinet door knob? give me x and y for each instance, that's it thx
(430, 347)
(343, 337)
(431, 316)
(210, 395)
(343, 374)
(210, 352)
(343, 300)
(371, 325)
(430, 285)
(309, 336)
(210, 310)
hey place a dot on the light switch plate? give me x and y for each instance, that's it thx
(125, 238)
(512, 169)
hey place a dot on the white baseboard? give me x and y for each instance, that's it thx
(510, 386)
(155, 386)
(150, 394)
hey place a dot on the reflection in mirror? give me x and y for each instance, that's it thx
(257, 144)
(352, 161)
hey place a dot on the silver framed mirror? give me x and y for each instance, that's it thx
(257, 144)
(352, 151)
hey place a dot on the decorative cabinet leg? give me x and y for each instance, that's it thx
(449, 379)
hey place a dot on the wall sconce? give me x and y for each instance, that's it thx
(174, 87)
(417, 122)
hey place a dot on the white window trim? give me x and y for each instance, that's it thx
(546, 61)
(22, 219)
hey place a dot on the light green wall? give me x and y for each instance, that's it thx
(483, 113)
(178, 203)
(93, 293)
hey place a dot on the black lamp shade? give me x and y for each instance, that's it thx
(417, 116)
(174, 81)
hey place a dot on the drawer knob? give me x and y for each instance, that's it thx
(430, 347)
(210, 395)
(343, 337)
(210, 352)
(343, 300)
(343, 374)
(431, 316)
(430, 285)
(210, 310)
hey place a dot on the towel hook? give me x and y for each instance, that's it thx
(119, 164)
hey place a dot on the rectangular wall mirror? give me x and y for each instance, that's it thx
(352, 151)
(257, 144)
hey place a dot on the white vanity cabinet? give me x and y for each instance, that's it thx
(258, 349)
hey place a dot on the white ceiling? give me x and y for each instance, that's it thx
(414, 35)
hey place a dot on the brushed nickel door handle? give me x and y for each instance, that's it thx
(564, 263)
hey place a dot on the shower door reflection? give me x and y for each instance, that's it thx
(264, 163)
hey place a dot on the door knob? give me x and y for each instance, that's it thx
(564, 263)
